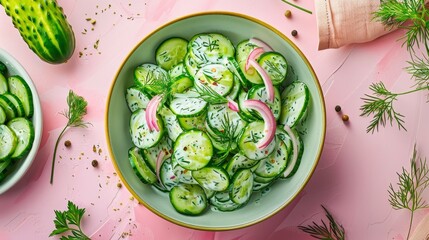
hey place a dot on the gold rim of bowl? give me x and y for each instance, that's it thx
(321, 99)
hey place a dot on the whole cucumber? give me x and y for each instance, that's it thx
(44, 27)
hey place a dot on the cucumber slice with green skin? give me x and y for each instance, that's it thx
(181, 83)
(234, 67)
(209, 193)
(295, 99)
(247, 143)
(191, 65)
(275, 65)
(177, 70)
(19, 87)
(244, 112)
(260, 179)
(166, 174)
(2, 115)
(3, 84)
(141, 169)
(251, 74)
(215, 76)
(235, 90)
(188, 106)
(260, 93)
(222, 196)
(282, 135)
(184, 175)
(8, 142)
(17, 103)
(244, 48)
(188, 123)
(171, 52)
(8, 107)
(219, 158)
(212, 178)
(171, 123)
(210, 48)
(275, 163)
(3, 68)
(224, 206)
(136, 98)
(258, 186)
(239, 161)
(188, 199)
(141, 136)
(151, 77)
(24, 132)
(151, 154)
(241, 186)
(193, 150)
(221, 119)
(4, 166)
(298, 160)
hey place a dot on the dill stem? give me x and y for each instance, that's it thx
(411, 224)
(55, 153)
(411, 91)
(298, 7)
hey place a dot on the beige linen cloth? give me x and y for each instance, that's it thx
(341, 22)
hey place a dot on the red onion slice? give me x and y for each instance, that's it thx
(232, 105)
(269, 120)
(262, 44)
(151, 113)
(254, 54)
(267, 80)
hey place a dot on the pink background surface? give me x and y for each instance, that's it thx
(351, 179)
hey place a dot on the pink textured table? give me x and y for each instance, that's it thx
(351, 179)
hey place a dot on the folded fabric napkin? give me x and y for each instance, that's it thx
(341, 22)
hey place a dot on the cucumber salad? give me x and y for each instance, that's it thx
(213, 122)
(16, 127)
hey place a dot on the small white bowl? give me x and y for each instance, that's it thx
(15, 68)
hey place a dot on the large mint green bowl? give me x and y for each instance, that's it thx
(237, 27)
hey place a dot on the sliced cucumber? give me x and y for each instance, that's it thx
(234, 67)
(193, 150)
(247, 143)
(244, 112)
(188, 199)
(241, 186)
(188, 123)
(295, 99)
(260, 179)
(258, 186)
(8, 142)
(136, 98)
(141, 136)
(188, 106)
(17, 103)
(210, 48)
(151, 154)
(215, 76)
(166, 174)
(224, 206)
(292, 167)
(24, 132)
(140, 167)
(191, 65)
(275, 163)
(171, 123)
(239, 161)
(3, 117)
(19, 87)
(275, 65)
(8, 107)
(3, 84)
(151, 77)
(260, 93)
(221, 119)
(212, 178)
(171, 52)
(251, 74)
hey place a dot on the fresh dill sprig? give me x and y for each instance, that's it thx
(333, 231)
(75, 113)
(65, 220)
(411, 186)
(209, 95)
(228, 133)
(413, 16)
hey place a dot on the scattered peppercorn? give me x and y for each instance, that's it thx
(345, 117)
(67, 143)
(119, 185)
(94, 163)
(288, 14)
(338, 108)
(294, 33)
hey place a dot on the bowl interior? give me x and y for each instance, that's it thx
(15, 68)
(237, 28)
